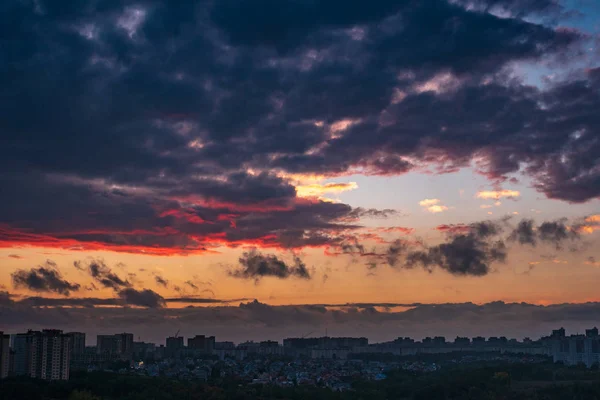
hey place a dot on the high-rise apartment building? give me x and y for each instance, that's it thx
(4, 355)
(43, 355)
(174, 346)
(77, 343)
(22, 348)
(119, 345)
(205, 344)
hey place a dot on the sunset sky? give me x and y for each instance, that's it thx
(253, 168)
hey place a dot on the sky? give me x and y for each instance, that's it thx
(262, 169)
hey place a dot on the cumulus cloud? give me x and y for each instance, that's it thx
(255, 265)
(463, 254)
(429, 202)
(44, 278)
(433, 206)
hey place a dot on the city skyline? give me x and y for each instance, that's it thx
(269, 169)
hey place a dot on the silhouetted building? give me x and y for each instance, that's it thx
(174, 345)
(224, 346)
(591, 332)
(478, 341)
(43, 355)
(403, 341)
(205, 344)
(576, 349)
(4, 355)
(325, 342)
(462, 341)
(558, 333)
(436, 341)
(77, 343)
(22, 348)
(118, 346)
(142, 350)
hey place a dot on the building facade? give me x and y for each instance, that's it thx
(116, 346)
(43, 355)
(77, 343)
(201, 343)
(4, 355)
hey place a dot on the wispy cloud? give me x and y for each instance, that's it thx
(320, 190)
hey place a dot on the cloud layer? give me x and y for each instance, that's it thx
(173, 127)
(378, 321)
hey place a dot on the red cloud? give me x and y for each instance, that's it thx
(396, 229)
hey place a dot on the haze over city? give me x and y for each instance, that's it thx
(268, 169)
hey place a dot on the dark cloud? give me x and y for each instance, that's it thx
(462, 255)
(360, 212)
(200, 300)
(102, 274)
(141, 298)
(517, 7)
(552, 232)
(524, 233)
(395, 251)
(5, 299)
(128, 128)
(44, 278)
(69, 302)
(255, 265)
(468, 250)
(161, 281)
(192, 285)
(18, 257)
(556, 232)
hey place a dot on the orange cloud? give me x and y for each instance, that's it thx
(437, 209)
(591, 224)
(497, 194)
(592, 261)
(429, 202)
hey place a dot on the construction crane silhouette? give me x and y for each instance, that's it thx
(177, 333)
(309, 333)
